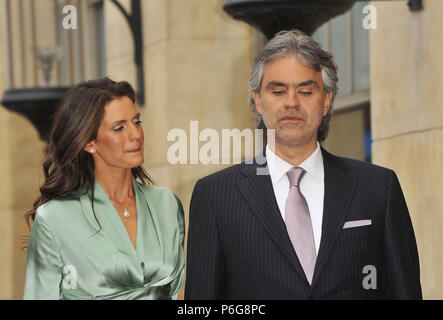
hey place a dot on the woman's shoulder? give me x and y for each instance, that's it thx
(54, 208)
(161, 196)
(158, 192)
(168, 207)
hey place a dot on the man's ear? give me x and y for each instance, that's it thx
(327, 103)
(256, 97)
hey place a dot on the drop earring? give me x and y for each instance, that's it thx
(92, 150)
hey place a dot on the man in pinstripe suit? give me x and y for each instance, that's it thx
(354, 239)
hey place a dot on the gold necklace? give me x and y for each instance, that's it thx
(126, 212)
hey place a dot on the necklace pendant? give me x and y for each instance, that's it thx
(126, 213)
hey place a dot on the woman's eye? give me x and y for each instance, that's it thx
(118, 128)
(138, 122)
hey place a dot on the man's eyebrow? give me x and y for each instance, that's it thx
(137, 116)
(308, 83)
(273, 83)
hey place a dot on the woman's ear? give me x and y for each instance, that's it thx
(90, 147)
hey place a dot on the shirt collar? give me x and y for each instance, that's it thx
(278, 167)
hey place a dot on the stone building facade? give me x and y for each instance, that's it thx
(196, 67)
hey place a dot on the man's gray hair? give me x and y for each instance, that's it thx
(309, 52)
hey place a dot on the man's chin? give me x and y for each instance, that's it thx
(289, 134)
(294, 140)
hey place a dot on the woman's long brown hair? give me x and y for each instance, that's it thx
(68, 168)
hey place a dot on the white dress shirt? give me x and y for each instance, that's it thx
(312, 186)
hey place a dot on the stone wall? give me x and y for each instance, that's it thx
(21, 173)
(407, 120)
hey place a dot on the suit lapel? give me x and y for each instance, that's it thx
(340, 186)
(259, 194)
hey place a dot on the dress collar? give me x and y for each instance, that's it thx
(110, 220)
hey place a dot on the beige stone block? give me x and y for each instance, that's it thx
(6, 270)
(194, 80)
(404, 56)
(177, 19)
(19, 169)
(156, 112)
(5, 161)
(13, 266)
(119, 42)
(3, 61)
(29, 56)
(26, 161)
(203, 19)
(346, 135)
(122, 69)
(161, 174)
(210, 81)
(46, 33)
(16, 28)
(21, 166)
(155, 22)
(416, 159)
(434, 52)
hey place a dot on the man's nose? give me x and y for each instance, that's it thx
(292, 99)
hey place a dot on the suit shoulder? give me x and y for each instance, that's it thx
(226, 174)
(366, 169)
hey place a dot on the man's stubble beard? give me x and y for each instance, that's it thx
(303, 137)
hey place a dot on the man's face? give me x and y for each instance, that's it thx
(292, 101)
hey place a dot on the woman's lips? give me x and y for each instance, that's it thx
(134, 150)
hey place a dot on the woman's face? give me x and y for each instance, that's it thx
(120, 139)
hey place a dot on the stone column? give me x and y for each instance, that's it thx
(407, 120)
(21, 162)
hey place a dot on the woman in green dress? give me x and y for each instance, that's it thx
(100, 229)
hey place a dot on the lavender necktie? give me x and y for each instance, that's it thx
(298, 223)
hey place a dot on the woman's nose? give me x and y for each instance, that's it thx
(135, 132)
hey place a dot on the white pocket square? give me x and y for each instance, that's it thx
(357, 223)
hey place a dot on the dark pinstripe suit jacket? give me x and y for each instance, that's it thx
(238, 246)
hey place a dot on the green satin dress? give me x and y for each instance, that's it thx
(68, 258)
